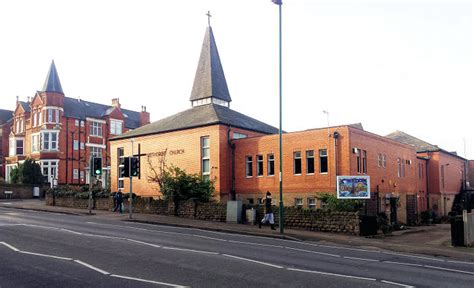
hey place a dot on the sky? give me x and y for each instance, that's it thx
(403, 65)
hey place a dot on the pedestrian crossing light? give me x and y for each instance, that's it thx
(97, 166)
(125, 170)
(135, 168)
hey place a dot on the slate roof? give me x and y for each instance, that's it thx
(420, 145)
(52, 83)
(5, 115)
(200, 116)
(210, 79)
(81, 109)
(25, 105)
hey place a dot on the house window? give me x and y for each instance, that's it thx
(34, 119)
(35, 144)
(82, 145)
(384, 160)
(19, 147)
(115, 127)
(442, 176)
(50, 115)
(121, 160)
(239, 135)
(248, 166)
(310, 162)
(76, 145)
(40, 119)
(57, 116)
(401, 167)
(299, 202)
(75, 174)
(312, 203)
(364, 162)
(271, 165)
(379, 160)
(323, 161)
(17, 126)
(82, 175)
(259, 165)
(76, 122)
(205, 156)
(49, 141)
(12, 147)
(49, 169)
(96, 129)
(96, 152)
(297, 163)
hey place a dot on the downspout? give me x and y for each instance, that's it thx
(232, 147)
(79, 150)
(67, 150)
(336, 136)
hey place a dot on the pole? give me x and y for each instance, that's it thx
(130, 174)
(90, 184)
(279, 132)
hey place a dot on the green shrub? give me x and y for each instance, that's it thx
(331, 203)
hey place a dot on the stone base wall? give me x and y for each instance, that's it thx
(72, 202)
(19, 191)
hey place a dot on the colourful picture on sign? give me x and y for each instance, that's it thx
(353, 187)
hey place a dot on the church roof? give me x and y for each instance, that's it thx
(5, 115)
(52, 83)
(200, 116)
(80, 109)
(210, 79)
(418, 144)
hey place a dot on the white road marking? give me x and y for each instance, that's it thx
(415, 256)
(361, 259)
(331, 274)
(189, 250)
(448, 269)
(148, 281)
(92, 267)
(211, 238)
(255, 244)
(45, 255)
(314, 252)
(253, 261)
(9, 246)
(144, 243)
(461, 262)
(342, 248)
(70, 231)
(402, 263)
(397, 284)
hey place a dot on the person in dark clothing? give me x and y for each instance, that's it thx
(268, 212)
(118, 201)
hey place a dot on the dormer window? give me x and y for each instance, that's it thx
(115, 127)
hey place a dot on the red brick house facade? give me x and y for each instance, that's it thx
(61, 133)
(6, 117)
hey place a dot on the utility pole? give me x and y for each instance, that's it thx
(130, 175)
(91, 175)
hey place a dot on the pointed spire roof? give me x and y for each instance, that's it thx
(52, 83)
(210, 79)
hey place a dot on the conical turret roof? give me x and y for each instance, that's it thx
(52, 83)
(210, 79)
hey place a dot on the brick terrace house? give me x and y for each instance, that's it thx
(61, 133)
(446, 172)
(6, 117)
(240, 153)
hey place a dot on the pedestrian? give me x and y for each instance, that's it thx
(118, 201)
(268, 212)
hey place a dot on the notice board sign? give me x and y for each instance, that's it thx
(353, 187)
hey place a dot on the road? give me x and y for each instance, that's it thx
(40, 249)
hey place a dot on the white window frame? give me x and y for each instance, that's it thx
(311, 202)
(206, 157)
(95, 129)
(34, 119)
(50, 140)
(248, 166)
(295, 159)
(270, 162)
(51, 167)
(116, 126)
(75, 145)
(259, 159)
(299, 202)
(310, 157)
(321, 157)
(75, 174)
(35, 142)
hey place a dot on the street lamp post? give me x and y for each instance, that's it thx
(280, 222)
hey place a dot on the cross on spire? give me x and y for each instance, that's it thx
(209, 18)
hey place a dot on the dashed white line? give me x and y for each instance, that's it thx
(189, 250)
(361, 259)
(148, 281)
(461, 262)
(71, 231)
(92, 267)
(331, 274)
(144, 243)
(402, 263)
(9, 246)
(397, 284)
(314, 252)
(45, 255)
(255, 244)
(415, 256)
(253, 261)
(448, 269)
(210, 238)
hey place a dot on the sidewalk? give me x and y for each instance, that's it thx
(429, 240)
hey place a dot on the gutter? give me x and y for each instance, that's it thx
(232, 147)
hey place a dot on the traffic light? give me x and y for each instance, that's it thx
(96, 166)
(135, 169)
(126, 168)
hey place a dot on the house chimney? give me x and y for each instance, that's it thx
(116, 102)
(144, 116)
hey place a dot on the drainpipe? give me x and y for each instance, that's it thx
(336, 136)
(232, 147)
(67, 150)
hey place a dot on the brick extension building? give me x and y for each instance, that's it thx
(61, 133)
(6, 117)
(241, 153)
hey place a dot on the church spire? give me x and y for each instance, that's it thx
(210, 85)
(52, 83)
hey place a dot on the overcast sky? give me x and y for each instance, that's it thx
(391, 65)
